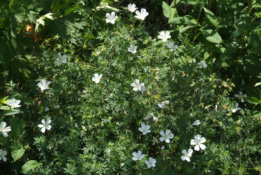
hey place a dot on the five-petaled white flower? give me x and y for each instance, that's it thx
(137, 86)
(43, 85)
(198, 142)
(97, 78)
(151, 162)
(164, 36)
(4, 129)
(61, 59)
(45, 125)
(166, 136)
(144, 129)
(13, 103)
(172, 46)
(202, 64)
(142, 14)
(137, 155)
(132, 49)
(163, 104)
(237, 108)
(197, 122)
(2, 155)
(132, 7)
(241, 97)
(187, 154)
(110, 18)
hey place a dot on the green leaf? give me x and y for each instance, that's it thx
(168, 11)
(17, 126)
(183, 20)
(17, 154)
(252, 100)
(185, 29)
(211, 17)
(212, 36)
(191, 2)
(256, 43)
(9, 112)
(31, 164)
(236, 33)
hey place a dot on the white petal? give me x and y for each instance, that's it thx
(162, 139)
(40, 125)
(203, 140)
(183, 158)
(196, 148)
(193, 142)
(203, 147)
(43, 130)
(48, 127)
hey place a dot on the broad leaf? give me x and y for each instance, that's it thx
(212, 36)
(17, 126)
(17, 154)
(168, 11)
(183, 20)
(252, 100)
(211, 17)
(31, 164)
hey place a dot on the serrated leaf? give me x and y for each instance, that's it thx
(212, 36)
(211, 17)
(29, 165)
(17, 154)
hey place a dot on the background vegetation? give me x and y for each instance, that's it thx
(95, 126)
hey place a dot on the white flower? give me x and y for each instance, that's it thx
(202, 64)
(44, 84)
(163, 104)
(172, 46)
(96, 78)
(166, 136)
(144, 129)
(240, 96)
(237, 108)
(187, 155)
(4, 129)
(198, 142)
(13, 103)
(137, 155)
(142, 14)
(45, 125)
(197, 122)
(110, 18)
(132, 7)
(137, 86)
(164, 36)
(132, 49)
(61, 59)
(151, 162)
(2, 155)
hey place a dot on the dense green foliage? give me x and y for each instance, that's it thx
(94, 126)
